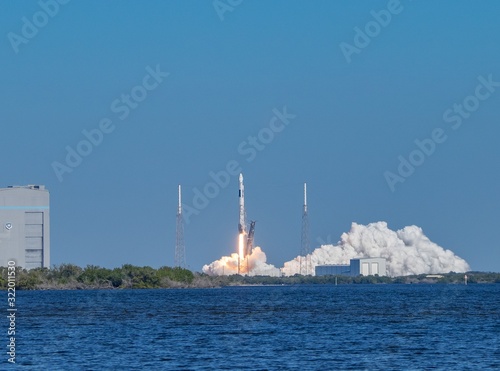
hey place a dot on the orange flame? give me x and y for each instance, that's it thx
(241, 248)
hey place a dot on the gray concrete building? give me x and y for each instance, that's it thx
(362, 266)
(368, 267)
(333, 270)
(25, 226)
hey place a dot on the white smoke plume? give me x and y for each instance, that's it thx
(408, 251)
(253, 265)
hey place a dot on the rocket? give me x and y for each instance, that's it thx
(245, 238)
(241, 194)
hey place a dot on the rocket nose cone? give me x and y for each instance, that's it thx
(241, 177)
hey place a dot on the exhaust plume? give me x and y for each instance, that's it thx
(252, 265)
(408, 251)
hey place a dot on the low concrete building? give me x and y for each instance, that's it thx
(362, 266)
(333, 270)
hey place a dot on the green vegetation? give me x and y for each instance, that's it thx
(446, 278)
(69, 276)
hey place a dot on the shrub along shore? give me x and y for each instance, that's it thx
(72, 277)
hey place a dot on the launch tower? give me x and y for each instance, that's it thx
(180, 249)
(304, 258)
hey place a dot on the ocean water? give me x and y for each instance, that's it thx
(317, 327)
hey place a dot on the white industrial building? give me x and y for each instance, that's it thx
(362, 266)
(25, 226)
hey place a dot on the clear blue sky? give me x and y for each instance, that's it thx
(225, 78)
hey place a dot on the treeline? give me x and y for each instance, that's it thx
(472, 278)
(445, 278)
(69, 276)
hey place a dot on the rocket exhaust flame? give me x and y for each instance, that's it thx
(253, 265)
(241, 254)
(240, 246)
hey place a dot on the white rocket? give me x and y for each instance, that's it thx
(242, 224)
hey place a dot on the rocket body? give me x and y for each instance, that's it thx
(241, 193)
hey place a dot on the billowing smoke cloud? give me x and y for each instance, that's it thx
(253, 265)
(408, 251)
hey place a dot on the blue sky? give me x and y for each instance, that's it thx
(353, 119)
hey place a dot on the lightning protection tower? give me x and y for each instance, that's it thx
(180, 249)
(304, 248)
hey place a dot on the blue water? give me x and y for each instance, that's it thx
(319, 327)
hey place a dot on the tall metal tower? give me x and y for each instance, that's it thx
(304, 248)
(180, 249)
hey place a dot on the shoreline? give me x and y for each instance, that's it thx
(71, 277)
